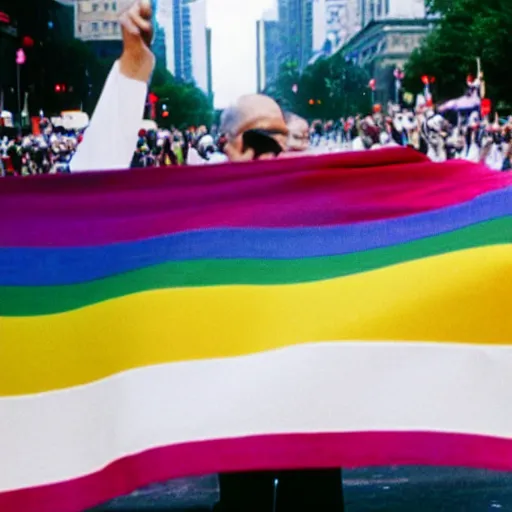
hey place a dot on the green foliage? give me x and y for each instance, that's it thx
(468, 29)
(329, 88)
(187, 104)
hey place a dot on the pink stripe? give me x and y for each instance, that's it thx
(102, 208)
(347, 450)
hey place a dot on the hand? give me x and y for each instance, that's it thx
(137, 61)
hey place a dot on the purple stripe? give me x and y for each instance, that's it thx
(104, 208)
(69, 265)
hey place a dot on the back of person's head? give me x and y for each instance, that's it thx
(254, 120)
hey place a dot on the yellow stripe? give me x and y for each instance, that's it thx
(458, 297)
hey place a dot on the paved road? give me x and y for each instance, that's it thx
(368, 490)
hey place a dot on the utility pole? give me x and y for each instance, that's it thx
(481, 77)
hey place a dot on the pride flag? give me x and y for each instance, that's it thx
(345, 310)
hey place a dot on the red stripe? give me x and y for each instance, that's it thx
(259, 453)
(102, 208)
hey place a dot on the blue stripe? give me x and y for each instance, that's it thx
(60, 266)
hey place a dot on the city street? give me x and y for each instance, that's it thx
(366, 490)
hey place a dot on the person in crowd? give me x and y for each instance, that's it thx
(298, 133)
(208, 151)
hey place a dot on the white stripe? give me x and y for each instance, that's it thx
(313, 388)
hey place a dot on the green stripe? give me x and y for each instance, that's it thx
(25, 301)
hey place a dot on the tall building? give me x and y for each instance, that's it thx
(334, 23)
(209, 62)
(198, 42)
(268, 54)
(296, 29)
(98, 20)
(159, 45)
(377, 10)
(190, 42)
(164, 21)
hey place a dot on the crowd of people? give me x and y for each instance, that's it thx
(425, 130)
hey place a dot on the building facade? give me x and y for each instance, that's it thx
(190, 62)
(296, 31)
(98, 20)
(376, 10)
(384, 45)
(268, 50)
(198, 42)
(334, 23)
(209, 61)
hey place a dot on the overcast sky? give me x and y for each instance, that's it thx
(233, 24)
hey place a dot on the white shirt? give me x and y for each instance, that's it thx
(111, 138)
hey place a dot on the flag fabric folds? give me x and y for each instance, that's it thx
(342, 310)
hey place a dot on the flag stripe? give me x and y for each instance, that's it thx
(21, 301)
(273, 452)
(426, 299)
(97, 210)
(58, 266)
(313, 388)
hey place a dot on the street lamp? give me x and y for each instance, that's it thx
(20, 60)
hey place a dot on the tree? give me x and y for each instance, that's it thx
(467, 30)
(186, 104)
(329, 88)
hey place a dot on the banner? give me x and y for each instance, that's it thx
(342, 310)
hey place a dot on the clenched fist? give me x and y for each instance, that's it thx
(137, 60)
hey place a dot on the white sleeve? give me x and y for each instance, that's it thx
(111, 138)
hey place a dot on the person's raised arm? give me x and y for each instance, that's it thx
(111, 138)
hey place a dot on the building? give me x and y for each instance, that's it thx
(160, 45)
(383, 45)
(209, 62)
(296, 31)
(375, 10)
(98, 20)
(268, 52)
(190, 62)
(165, 21)
(334, 23)
(198, 41)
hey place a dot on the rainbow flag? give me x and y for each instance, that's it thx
(335, 311)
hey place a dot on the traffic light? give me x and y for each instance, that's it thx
(311, 102)
(60, 88)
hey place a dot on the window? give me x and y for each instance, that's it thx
(94, 7)
(80, 29)
(114, 6)
(106, 26)
(115, 27)
(94, 27)
(106, 6)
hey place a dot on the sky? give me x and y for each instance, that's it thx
(233, 24)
